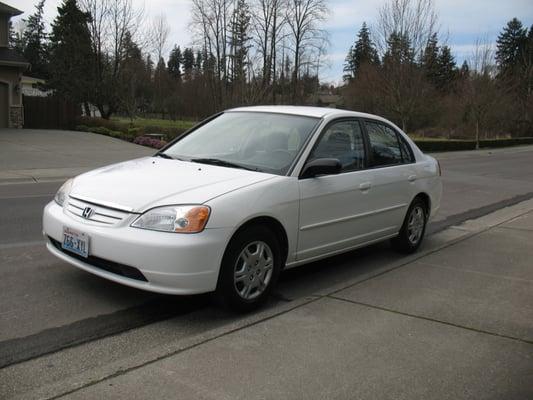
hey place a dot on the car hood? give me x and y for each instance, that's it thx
(148, 182)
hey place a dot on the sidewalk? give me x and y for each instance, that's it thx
(452, 322)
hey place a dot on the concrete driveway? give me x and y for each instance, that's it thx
(452, 321)
(37, 154)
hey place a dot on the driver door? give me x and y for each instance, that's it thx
(336, 210)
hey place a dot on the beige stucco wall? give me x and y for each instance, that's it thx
(15, 112)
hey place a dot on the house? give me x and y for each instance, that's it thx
(12, 65)
(33, 87)
(325, 99)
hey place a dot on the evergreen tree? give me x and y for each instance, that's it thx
(188, 62)
(15, 40)
(134, 84)
(430, 60)
(511, 44)
(239, 27)
(175, 60)
(198, 63)
(514, 56)
(446, 70)
(399, 50)
(465, 70)
(70, 52)
(149, 66)
(162, 88)
(362, 52)
(33, 43)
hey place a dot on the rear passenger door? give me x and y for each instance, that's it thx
(392, 162)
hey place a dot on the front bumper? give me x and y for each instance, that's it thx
(171, 263)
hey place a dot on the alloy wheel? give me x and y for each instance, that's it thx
(253, 270)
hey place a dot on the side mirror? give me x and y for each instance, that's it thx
(321, 166)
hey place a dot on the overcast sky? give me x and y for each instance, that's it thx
(461, 22)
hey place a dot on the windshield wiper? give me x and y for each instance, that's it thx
(164, 155)
(169, 157)
(221, 163)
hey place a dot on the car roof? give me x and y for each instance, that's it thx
(317, 112)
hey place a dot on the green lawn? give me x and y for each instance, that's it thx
(163, 123)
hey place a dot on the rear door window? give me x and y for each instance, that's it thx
(384, 145)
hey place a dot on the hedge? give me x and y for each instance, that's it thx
(130, 132)
(454, 145)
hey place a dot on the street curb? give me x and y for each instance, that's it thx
(27, 180)
(441, 240)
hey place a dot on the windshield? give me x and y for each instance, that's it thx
(259, 141)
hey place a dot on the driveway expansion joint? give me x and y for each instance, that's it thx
(469, 328)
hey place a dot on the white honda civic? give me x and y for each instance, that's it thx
(242, 196)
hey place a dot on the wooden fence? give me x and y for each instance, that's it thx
(49, 112)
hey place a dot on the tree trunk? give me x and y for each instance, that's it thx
(477, 134)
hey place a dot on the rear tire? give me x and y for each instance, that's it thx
(413, 229)
(250, 269)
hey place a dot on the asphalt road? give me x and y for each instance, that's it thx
(46, 305)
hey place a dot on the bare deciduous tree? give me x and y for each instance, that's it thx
(210, 20)
(269, 19)
(111, 22)
(158, 36)
(416, 20)
(304, 18)
(480, 93)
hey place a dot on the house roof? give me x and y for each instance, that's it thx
(6, 9)
(31, 79)
(12, 58)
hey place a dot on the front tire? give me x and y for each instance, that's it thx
(250, 269)
(413, 229)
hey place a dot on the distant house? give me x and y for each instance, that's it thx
(33, 87)
(12, 65)
(325, 99)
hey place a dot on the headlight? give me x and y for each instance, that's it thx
(63, 192)
(181, 219)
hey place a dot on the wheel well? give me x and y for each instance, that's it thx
(275, 226)
(427, 201)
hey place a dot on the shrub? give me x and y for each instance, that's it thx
(169, 132)
(136, 131)
(455, 145)
(116, 134)
(101, 122)
(100, 130)
(82, 128)
(149, 142)
(128, 129)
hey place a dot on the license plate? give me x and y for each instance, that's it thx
(75, 241)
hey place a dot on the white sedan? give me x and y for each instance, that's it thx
(242, 196)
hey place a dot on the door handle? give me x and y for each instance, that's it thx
(365, 186)
(411, 178)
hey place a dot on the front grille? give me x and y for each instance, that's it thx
(102, 214)
(100, 263)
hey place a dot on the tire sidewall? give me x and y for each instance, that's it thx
(226, 292)
(402, 242)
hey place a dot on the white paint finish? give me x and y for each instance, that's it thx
(148, 182)
(335, 197)
(321, 216)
